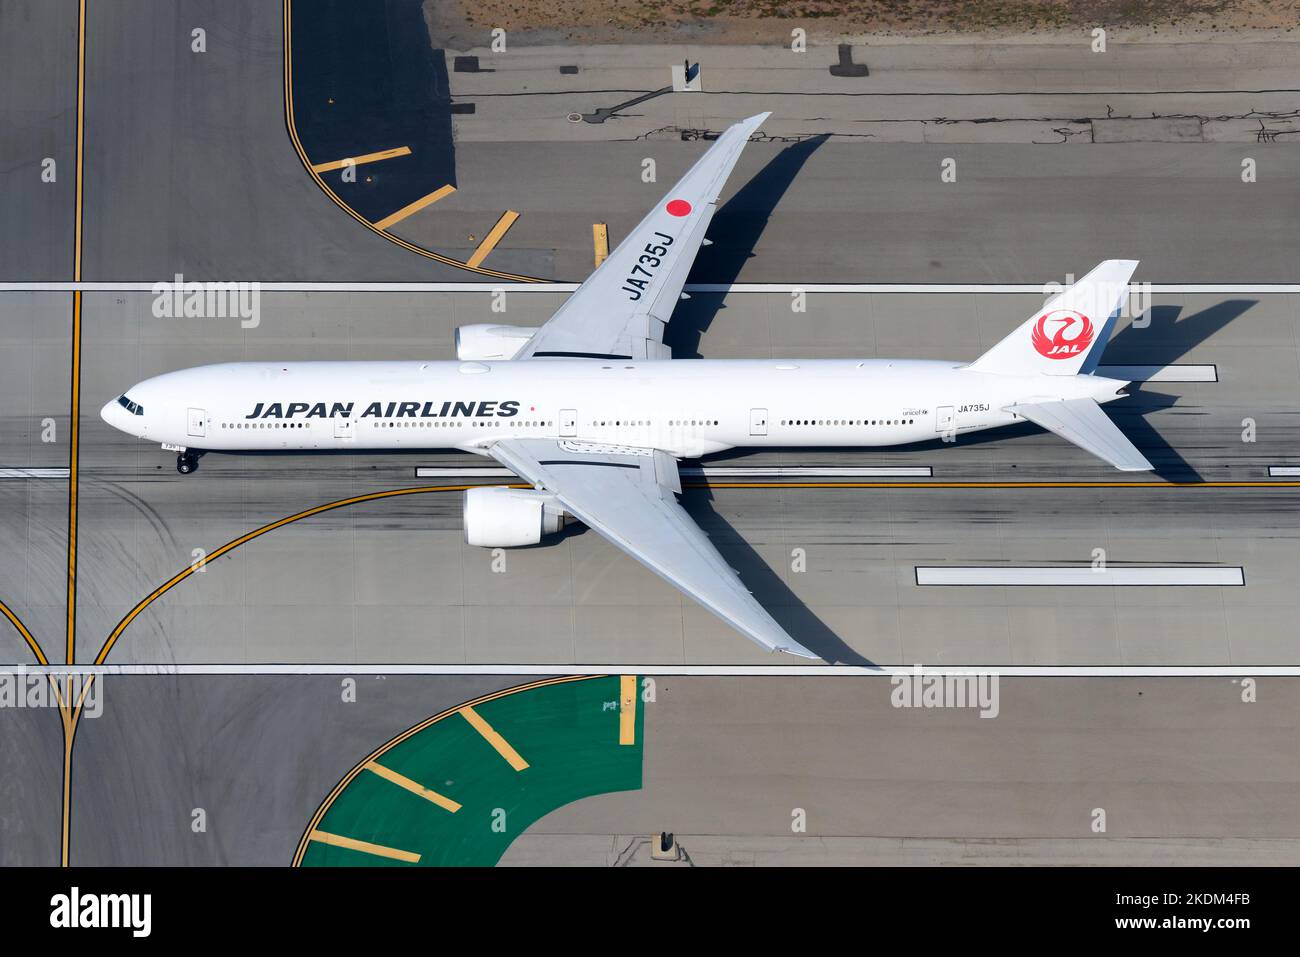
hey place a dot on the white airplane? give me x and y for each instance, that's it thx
(593, 413)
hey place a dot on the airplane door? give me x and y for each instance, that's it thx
(568, 422)
(943, 419)
(198, 423)
(758, 421)
(342, 427)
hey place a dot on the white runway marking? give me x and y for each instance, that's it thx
(717, 471)
(33, 473)
(1172, 373)
(867, 471)
(1284, 471)
(719, 671)
(705, 287)
(1080, 575)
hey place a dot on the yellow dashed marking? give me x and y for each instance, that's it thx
(394, 218)
(362, 160)
(494, 236)
(627, 709)
(402, 781)
(365, 847)
(493, 738)
(600, 240)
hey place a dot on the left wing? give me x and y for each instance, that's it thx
(621, 310)
(627, 495)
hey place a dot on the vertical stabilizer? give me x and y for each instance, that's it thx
(1060, 338)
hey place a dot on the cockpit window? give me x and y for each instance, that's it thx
(130, 406)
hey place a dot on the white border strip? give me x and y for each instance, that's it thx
(1080, 575)
(34, 473)
(714, 471)
(1284, 471)
(1171, 373)
(705, 287)
(715, 671)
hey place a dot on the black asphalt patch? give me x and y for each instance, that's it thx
(365, 79)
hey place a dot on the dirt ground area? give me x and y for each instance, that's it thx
(771, 21)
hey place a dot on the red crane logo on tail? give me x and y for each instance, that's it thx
(1062, 334)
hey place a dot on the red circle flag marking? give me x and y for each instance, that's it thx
(678, 207)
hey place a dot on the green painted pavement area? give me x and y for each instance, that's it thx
(569, 735)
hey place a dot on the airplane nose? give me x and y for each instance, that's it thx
(116, 416)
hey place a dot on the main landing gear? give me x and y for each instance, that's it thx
(187, 462)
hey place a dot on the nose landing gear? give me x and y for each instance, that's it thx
(187, 462)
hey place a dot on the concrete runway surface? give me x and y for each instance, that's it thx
(393, 581)
(1063, 158)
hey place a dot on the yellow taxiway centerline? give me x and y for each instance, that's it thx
(28, 637)
(365, 847)
(402, 781)
(627, 709)
(66, 715)
(361, 160)
(493, 737)
(494, 236)
(185, 573)
(600, 240)
(410, 210)
(74, 412)
(189, 570)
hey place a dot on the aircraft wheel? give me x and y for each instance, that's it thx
(185, 463)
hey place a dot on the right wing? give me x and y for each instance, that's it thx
(1082, 422)
(628, 496)
(621, 310)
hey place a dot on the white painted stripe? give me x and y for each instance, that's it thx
(721, 671)
(33, 473)
(740, 287)
(449, 472)
(1172, 373)
(715, 471)
(1080, 575)
(975, 288)
(1284, 471)
(830, 471)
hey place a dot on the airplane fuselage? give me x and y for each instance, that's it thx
(686, 408)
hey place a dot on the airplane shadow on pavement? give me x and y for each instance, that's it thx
(1166, 340)
(769, 588)
(1163, 342)
(734, 232)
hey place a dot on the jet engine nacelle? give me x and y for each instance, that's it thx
(499, 517)
(491, 342)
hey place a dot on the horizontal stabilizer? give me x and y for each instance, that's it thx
(1082, 422)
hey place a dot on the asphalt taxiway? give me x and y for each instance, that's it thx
(230, 197)
(728, 763)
